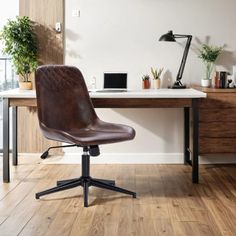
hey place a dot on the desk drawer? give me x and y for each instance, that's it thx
(217, 145)
(222, 115)
(217, 130)
(219, 100)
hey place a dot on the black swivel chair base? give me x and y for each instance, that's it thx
(85, 181)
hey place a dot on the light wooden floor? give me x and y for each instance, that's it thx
(167, 204)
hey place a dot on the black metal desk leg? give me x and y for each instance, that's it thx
(14, 137)
(195, 161)
(186, 136)
(6, 168)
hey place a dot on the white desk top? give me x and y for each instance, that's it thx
(148, 93)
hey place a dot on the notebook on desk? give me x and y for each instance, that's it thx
(114, 82)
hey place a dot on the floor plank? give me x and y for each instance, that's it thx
(167, 203)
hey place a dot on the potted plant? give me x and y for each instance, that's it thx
(156, 74)
(209, 54)
(146, 81)
(20, 43)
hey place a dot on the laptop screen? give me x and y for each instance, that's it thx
(115, 80)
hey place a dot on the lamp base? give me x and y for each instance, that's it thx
(178, 85)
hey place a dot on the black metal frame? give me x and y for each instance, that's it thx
(14, 142)
(193, 161)
(191, 154)
(85, 181)
(6, 167)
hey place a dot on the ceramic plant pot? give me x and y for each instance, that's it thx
(156, 83)
(206, 83)
(146, 84)
(25, 85)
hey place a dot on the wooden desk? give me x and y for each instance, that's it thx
(162, 98)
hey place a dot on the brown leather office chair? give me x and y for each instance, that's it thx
(66, 114)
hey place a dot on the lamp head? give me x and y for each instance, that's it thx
(169, 37)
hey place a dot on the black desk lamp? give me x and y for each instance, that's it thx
(170, 37)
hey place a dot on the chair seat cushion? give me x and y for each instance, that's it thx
(99, 132)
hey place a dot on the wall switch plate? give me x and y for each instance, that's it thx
(58, 27)
(75, 13)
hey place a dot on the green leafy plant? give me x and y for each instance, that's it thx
(146, 77)
(156, 73)
(209, 54)
(20, 43)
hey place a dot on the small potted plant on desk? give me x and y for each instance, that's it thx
(20, 43)
(209, 54)
(146, 82)
(156, 77)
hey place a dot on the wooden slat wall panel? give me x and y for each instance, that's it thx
(30, 138)
(45, 13)
(217, 145)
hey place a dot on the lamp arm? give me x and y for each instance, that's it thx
(185, 54)
(182, 36)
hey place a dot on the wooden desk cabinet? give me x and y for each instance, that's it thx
(217, 117)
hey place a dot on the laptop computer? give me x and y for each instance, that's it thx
(114, 82)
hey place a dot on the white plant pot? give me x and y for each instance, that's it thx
(206, 83)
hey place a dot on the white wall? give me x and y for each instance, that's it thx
(112, 35)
